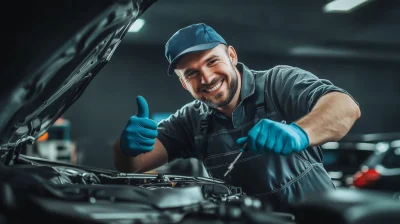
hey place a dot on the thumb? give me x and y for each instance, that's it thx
(143, 108)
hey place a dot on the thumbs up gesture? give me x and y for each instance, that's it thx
(140, 132)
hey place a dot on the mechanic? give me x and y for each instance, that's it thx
(283, 114)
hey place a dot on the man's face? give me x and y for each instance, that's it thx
(210, 76)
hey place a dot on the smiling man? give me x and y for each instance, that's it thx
(283, 114)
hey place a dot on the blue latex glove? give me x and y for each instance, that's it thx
(140, 133)
(272, 136)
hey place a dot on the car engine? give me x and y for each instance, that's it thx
(67, 193)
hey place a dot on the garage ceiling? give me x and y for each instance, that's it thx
(282, 26)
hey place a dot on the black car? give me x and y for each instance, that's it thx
(53, 51)
(342, 160)
(381, 171)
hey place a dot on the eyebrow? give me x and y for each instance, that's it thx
(211, 57)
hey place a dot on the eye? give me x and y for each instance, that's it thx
(191, 74)
(212, 62)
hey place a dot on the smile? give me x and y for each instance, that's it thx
(215, 87)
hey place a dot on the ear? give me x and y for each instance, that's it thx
(183, 83)
(232, 55)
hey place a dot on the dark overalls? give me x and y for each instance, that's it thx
(277, 180)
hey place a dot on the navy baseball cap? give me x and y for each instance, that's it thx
(196, 37)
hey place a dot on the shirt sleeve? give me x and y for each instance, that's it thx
(176, 135)
(298, 90)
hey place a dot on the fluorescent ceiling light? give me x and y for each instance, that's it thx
(343, 5)
(136, 26)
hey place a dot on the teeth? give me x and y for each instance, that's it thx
(215, 87)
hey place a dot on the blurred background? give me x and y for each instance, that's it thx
(353, 43)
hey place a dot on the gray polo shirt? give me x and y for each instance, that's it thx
(294, 92)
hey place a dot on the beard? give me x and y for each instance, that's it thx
(232, 89)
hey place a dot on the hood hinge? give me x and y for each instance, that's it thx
(13, 155)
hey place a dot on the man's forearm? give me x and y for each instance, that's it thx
(122, 163)
(331, 118)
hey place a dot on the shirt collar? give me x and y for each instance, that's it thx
(248, 85)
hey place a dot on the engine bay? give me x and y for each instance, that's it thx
(49, 192)
(68, 193)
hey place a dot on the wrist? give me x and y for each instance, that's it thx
(123, 147)
(303, 135)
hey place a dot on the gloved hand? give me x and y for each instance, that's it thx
(268, 135)
(140, 133)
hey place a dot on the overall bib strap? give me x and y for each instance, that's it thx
(201, 141)
(264, 106)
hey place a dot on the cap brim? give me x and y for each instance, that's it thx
(200, 47)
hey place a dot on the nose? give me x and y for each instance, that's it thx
(206, 77)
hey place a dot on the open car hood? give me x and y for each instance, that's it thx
(52, 58)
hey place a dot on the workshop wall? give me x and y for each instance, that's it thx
(99, 116)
